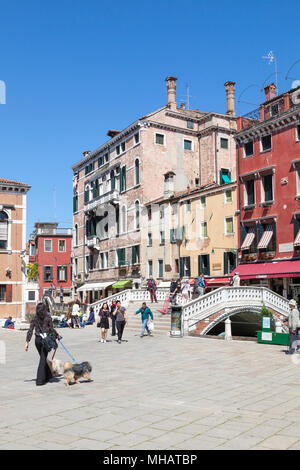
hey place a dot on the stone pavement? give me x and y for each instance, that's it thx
(157, 393)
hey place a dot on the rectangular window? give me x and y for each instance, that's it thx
(48, 245)
(121, 256)
(62, 273)
(75, 203)
(118, 149)
(229, 226)
(224, 143)
(2, 292)
(149, 211)
(188, 206)
(266, 143)
(136, 138)
(61, 245)
(150, 239)
(123, 146)
(162, 238)
(267, 182)
(228, 196)
(225, 176)
(32, 250)
(160, 268)
(249, 149)
(48, 273)
(187, 144)
(31, 296)
(203, 230)
(161, 212)
(173, 235)
(135, 254)
(203, 265)
(250, 197)
(298, 132)
(150, 268)
(160, 139)
(190, 125)
(202, 202)
(185, 266)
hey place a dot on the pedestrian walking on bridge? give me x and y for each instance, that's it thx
(146, 313)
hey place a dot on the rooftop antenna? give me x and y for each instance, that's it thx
(188, 96)
(270, 57)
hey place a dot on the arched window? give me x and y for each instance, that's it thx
(124, 219)
(3, 230)
(137, 171)
(137, 214)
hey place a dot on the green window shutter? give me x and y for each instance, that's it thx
(86, 196)
(66, 273)
(75, 203)
(133, 255)
(57, 273)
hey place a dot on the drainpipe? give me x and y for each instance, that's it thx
(239, 200)
(216, 155)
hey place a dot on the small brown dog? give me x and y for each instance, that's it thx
(55, 366)
(77, 371)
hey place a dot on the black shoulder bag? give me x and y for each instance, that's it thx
(48, 341)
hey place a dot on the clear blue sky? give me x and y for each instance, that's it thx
(73, 69)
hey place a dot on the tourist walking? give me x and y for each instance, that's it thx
(42, 324)
(236, 280)
(202, 284)
(294, 324)
(121, 316)
(74, 310)
(113, 318)
(185, 290)
(104, 315)
(173, 291)
(145, 314)
(152, 287)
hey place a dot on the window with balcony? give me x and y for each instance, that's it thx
(266, 143)
(249, 149)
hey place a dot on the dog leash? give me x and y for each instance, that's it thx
(69, 354)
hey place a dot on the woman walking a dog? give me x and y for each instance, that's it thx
(104, 315)
(42, 324)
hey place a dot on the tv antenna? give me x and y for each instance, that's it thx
(271, 57)
(188, 96)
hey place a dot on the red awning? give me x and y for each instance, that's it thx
(214, 280)
(268, 270)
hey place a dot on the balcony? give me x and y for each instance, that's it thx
(112, 197)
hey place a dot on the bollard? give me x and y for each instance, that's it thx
(228, 335)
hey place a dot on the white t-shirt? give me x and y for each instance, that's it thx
(75, 309)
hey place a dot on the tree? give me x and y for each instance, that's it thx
(32, 271)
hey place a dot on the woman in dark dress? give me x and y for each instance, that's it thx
(41, 323)
(104, 315)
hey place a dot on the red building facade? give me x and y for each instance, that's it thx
(268, 163)
(51, 247)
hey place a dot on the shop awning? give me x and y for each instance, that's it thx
(248, 239)
(297, 239)
(94, 286)
(121, 284)
(266, 238)
(217, 281)
(268, 270)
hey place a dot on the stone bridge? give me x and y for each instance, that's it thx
(202, 314)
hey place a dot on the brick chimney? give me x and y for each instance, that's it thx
(229, 87)
(270, 91)
(171, 86)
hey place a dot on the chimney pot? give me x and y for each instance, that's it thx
(230, 89)
(270, 91)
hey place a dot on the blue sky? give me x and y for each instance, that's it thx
(74, 69)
